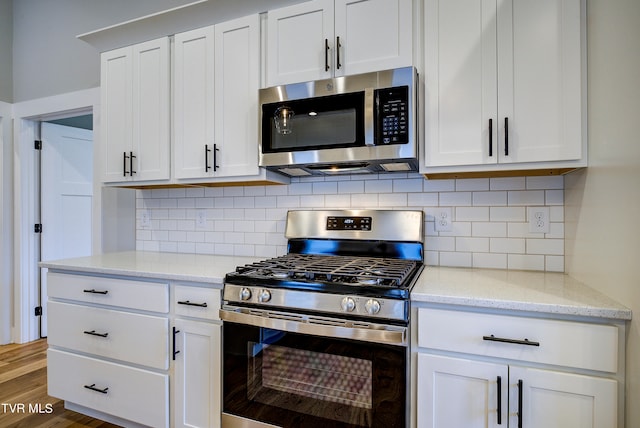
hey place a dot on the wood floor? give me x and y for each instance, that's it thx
(24, 402)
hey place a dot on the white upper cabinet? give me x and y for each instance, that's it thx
(503, 85)
(325, 38)
(216, 81)
(135, 85)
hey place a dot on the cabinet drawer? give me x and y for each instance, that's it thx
(564, 343)
(197, 302)
(146, 296)
(135, 338)
(138, 395)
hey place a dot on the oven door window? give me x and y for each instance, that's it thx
(295, 380)
(335, 121)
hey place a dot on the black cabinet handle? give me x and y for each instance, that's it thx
(490, 137)
(215, 157)
(207, 150)
(188, 303)
(338, 46)
(93, 333)
(499, 400)
(93, 388)
(520, 388)
(131, 158)
(175, 332)
(94, 291)
(528, 342)
(124, 163)
(326, 54)
(506, 136)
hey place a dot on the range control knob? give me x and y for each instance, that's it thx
(372, 306)
(245, 293)
(264, 296)
(348, 304)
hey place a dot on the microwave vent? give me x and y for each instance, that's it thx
(294, 172)
(396, 167)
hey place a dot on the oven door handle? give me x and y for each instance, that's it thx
(395, 336)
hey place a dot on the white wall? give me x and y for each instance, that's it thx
(490, 226)
(49, 60)
(602, 203)
(6, 51)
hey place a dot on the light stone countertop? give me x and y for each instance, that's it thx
(155, 265)
(553, 293)
(544, 292)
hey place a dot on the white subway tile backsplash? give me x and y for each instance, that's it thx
(525, 197)
(489, 225)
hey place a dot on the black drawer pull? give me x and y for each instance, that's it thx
(188, 303)
(93, 291)
(520, 404)
(175, 352)
(499, 410)
(93, 388)
(93, 333)
(528, 342)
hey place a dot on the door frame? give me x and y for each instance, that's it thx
(27, 116)
(6, 221)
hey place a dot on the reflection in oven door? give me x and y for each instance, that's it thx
(296, 380)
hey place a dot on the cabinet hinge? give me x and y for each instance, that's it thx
(37, 144)
(37, 228)
(38, 311)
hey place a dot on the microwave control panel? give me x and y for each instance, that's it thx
(392, 122)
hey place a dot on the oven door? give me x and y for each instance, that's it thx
(276, 373)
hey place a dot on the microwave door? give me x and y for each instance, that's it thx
(336, 121)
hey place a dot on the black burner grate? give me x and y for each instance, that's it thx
(388, 272)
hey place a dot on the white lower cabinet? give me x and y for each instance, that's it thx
(197, 353)
(465, 393)
(126, 392)
(109, 347)
(197, 386)
(492, 370)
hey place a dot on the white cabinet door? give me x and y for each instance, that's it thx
(135, 112)
(217, 76)
(540, 86)
(460, 82)
(503, 83)
(197, 386)
(116, 113)
(460, 393)
(151, 109)
(553, 399)
(372, 35)
(300, 42)
(237, 79)
(193, 103)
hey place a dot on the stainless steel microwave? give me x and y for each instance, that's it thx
(345, 125)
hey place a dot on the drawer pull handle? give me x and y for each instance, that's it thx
(93, 333)
(93, 388)
(175, 352)
(520, 388)
(188, 303)
(527, 342)
(499, 400)
(93, 291)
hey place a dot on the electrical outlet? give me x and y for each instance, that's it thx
(443, 219)
(145, 219)
(201, 219)
(538, 219)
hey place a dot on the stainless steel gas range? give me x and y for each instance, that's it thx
(319, 337)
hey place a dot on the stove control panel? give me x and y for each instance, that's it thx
(348, 223)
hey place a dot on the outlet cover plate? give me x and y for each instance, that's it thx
(538, 219)
(443, 218)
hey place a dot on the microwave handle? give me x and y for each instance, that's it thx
(369, 99)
